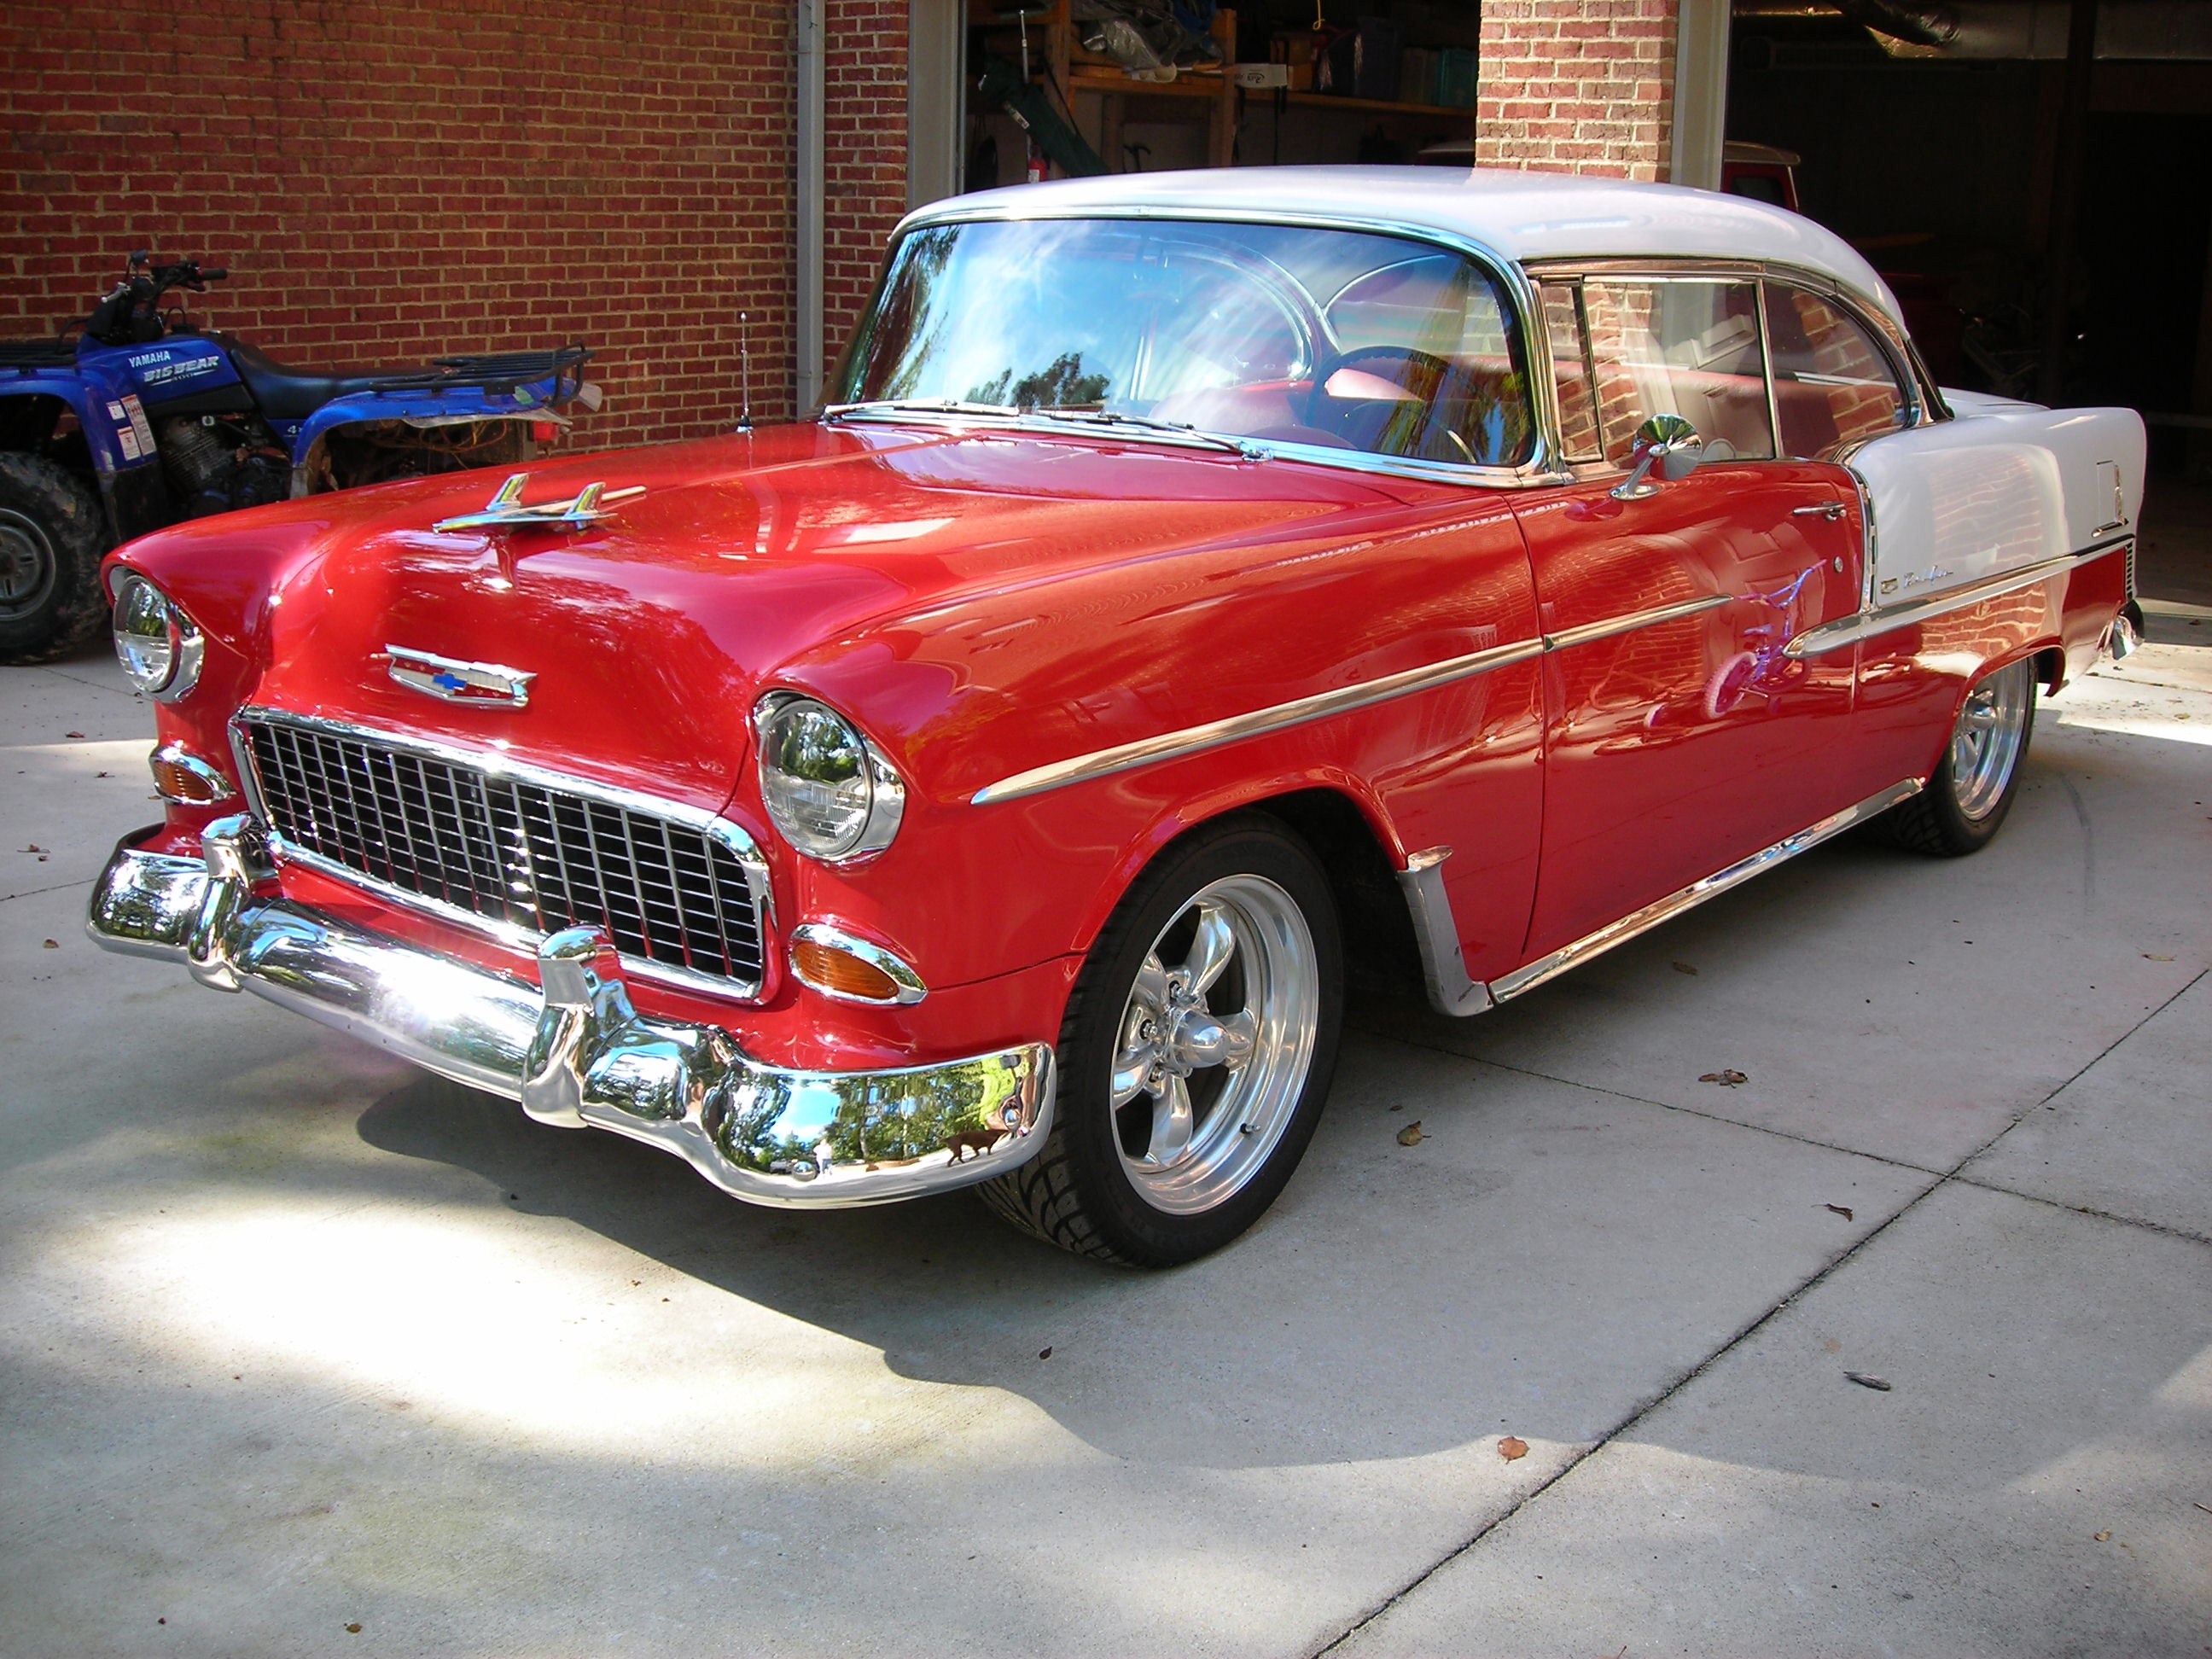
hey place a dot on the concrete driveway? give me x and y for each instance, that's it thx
(305, 1352)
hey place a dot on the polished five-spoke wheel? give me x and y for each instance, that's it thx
(1196, 1054)
(1213, 1049)
(1972, 788)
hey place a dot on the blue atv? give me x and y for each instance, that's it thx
(142, 420)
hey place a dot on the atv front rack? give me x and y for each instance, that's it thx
(498, 371)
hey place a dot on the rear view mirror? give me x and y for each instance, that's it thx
(1668, 444)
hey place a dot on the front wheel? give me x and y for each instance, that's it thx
(1197, 1049)
(51, 540)
(1966, 801)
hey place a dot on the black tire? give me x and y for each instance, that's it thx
(51, 536)
(1079, 1192)
(1955, 815)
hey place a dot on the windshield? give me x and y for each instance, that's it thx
(1334, 338)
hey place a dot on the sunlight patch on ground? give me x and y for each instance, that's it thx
(582, 1351)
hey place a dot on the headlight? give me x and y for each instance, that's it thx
(829, 791)
(155, 643)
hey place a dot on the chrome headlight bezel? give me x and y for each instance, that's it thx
(878, 819)
(158, 647)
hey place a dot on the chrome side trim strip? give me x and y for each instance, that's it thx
(496, 764)
(1443, 967)
(1635, 620)
(1866, 624)
(1195, 740)
(1619, 932)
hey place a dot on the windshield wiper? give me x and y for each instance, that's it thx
(918, 406)
(1183, 429)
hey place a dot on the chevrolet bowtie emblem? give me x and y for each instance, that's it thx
(505, 511)
(482, 683)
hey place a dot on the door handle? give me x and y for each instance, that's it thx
(1831, 510)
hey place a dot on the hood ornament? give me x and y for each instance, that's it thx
(480, 684)
(505, 511)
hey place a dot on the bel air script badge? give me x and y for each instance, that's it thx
(478, 683)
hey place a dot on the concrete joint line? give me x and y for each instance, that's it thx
(34, 892)
(1638, 1412)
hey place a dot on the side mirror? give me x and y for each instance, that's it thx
(1668, 443)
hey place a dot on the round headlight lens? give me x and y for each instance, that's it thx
(830, 792)
(149, 635)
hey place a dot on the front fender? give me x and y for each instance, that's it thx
(117, 437)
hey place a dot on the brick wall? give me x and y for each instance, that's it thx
(1577, 86)
(387, 181)
(864, 160)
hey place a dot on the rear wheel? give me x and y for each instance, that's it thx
(1965, 803)
(1196, 1051)
(51, 540)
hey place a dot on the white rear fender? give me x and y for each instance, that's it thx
(2002, 487)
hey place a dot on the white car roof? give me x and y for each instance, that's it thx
(1521, 216)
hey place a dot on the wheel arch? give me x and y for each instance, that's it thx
(1352, 839)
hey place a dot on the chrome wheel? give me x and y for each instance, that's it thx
(1214, 1044)
(28, 566)
(1987, 741)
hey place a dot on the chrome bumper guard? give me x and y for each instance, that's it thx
(576, 1053)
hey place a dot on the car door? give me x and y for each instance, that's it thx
(1678, 736)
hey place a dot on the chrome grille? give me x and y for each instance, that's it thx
(528, 856)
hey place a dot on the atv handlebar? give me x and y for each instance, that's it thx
(132, 313)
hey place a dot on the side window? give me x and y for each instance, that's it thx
(1570, 373)
(1832, 385)
(1688, 347)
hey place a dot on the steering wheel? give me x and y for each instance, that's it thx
(1427, 377)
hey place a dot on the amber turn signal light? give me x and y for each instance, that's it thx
(186, 778)
(840, 973)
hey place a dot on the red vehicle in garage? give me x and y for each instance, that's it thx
(978, 783)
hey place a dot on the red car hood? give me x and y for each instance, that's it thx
(651, 634)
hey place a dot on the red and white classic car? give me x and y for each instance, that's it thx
(1194, 577)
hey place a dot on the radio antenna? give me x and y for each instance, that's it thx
(744, 375)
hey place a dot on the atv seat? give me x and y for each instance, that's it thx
(285, 393)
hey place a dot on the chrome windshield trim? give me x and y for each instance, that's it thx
(1627, 928)
(1634, 620)
(1542, 466)
(1196, 739)
(1870, 623)
(733, 837)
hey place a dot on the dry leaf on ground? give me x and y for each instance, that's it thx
(1841, 1210)
(2100, 1537)
(1512, 1449)
(1410, 1135)
(1727, 1079)
(50, 944)
(1867, 1382)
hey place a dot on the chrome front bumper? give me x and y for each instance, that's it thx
(576, 1053)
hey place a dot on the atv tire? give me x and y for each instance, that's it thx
(51, 536)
